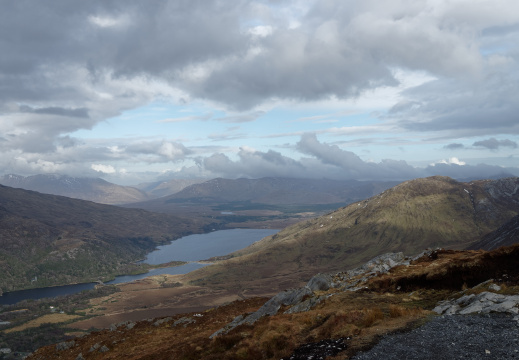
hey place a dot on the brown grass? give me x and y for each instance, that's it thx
(45, 319)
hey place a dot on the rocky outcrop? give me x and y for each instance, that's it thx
(482, 303)
(305, 298)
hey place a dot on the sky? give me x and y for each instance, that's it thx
(138, 91)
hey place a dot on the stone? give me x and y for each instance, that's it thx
(465, 300)
(484, 303)
(237, 321)
(65, 345)
(104, 349)
(305, 305)
(161, 321)
(494, 287)
(183, 320)
(320, 282)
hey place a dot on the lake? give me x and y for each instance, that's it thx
(188, 248)
(204, 246)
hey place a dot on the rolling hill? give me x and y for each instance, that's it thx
(414, 215)
(164, 188)
(92, 189)
(507, 234)
(278, 191)
(266, 202)
(53, 240)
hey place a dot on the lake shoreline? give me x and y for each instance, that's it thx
(169, 267)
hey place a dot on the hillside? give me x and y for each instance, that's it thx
(50, 240)
(164, 188)
(266, 202)
(92, 189)
(337, 316)
(276, 191)
(506, 235)
(417, 214)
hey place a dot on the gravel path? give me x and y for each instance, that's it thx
(494, 336)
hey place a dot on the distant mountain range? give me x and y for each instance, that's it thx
(50, 240)
(273, 193)
(164, 188)
(414, 215)
(63, 237)
(92, 189)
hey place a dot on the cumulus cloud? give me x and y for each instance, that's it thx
(494, 144)
(156, 151)
(72, 66)
(330, 161)
(450, 161)
(254, 164)
(352, 165)
(106, 169)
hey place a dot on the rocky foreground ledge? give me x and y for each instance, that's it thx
(493, 336)
(342, 315)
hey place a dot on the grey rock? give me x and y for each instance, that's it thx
(303, 299)
(271, 307)
(162, 321)
(383, 263)
(484, 303)
(104, 349)
(65, 345)
(80, 357)
(475, 307)
(494, 287)
(320, 282)
(94, 347)
(184, 320)
(305, 305)
(465, 300)
(237, 321)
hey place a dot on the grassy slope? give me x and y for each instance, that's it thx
(61, 240)
(361, 318)
(418, 214)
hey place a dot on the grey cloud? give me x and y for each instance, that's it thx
(80, 112)
(202, 47)
(454, 146)
(494, 144)
(329, 161)
(240, 118)
(353, 166)
(254, 164)
(463, 108)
